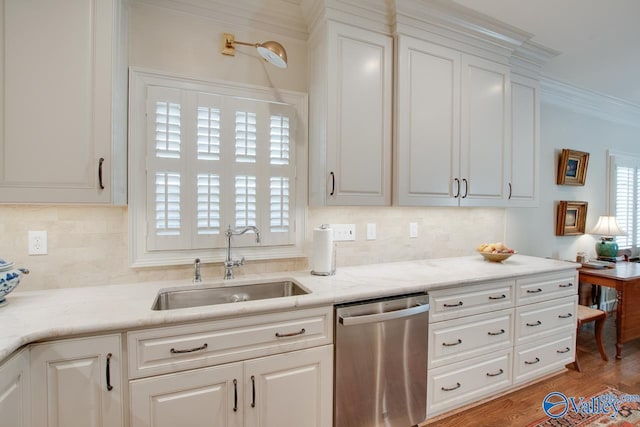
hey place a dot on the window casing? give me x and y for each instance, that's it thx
(208, 155)
(624, 175)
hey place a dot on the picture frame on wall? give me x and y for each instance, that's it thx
(572, 169)
(571, 218)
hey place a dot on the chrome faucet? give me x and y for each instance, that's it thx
(228, 262)
(197, 278)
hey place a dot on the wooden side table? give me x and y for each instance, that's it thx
(625, 279)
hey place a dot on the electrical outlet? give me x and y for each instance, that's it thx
(37, 242)
(413, 230)
(343, 232)
(371, 232)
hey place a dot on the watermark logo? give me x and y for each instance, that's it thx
(556, 404)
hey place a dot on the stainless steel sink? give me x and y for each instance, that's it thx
(196, 297)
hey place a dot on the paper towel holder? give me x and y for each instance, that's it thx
(333, 259)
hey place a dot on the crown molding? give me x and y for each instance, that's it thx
(281, 17)
(450, 21)
(530, 57)
(588, 102)
(370, 14)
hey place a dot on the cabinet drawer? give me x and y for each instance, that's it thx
(458, 339)
(163, 350)
(545, 287)
(544, 356)
(460, 383)
(464, 301)
(545, 318)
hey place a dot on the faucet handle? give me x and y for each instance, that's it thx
(237, 263)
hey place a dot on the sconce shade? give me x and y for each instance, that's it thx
(607, 227)
(272, 52)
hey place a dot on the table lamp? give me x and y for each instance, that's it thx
(607, 227)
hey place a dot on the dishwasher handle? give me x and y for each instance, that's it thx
(381, 317)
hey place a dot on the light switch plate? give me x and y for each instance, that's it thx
(343, 232)
(413, 230)
(371, 231)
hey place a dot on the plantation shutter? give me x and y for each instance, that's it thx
(626, 173)
(167, 228)
(215, 161)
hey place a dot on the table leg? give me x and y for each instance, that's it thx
(619, 325)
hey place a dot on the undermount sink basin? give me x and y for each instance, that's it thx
(196, 297)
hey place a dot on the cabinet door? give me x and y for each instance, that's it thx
(291, 389)
(427, 124)
(359, 116)
(201, 397)
(77, 383)
(56, 63)
(14, 391)
(484, 131)
(523, 169)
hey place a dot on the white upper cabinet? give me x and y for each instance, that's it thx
(523, 172)
(350, 116)
(427, 124)
(63, 135)
(452, 127)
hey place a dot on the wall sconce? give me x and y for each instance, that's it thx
(272, 52)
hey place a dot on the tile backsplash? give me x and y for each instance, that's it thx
(88, 245)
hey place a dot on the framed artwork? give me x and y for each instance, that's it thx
(572, 169)
(571, 218)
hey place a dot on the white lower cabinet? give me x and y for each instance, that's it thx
(14, 391)
(77, 383)
(285, 390)
(464, 382)
(544, 356)
(489, 337)
(209, 396)
(471, 336)
(291, 389)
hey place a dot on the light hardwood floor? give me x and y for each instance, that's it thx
(525, 406)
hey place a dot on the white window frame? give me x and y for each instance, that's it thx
(139, 255)
(615, 158)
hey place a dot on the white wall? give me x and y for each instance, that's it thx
(189, 45)
(532, 230)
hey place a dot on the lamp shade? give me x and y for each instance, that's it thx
(607, 226)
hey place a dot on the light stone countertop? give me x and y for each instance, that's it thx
(32, 316)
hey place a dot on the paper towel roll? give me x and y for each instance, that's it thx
(322, 260)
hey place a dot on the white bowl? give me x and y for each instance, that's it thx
(8, 281)
(496, 256)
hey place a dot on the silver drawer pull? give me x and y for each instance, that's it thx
(568, 285)
(566, 350)
(500, 372)
(532, 363)
(446, 344)
(503, 296)
(189, 350)
(565, 316)
(459, 304)
(529, 291)
(292, 334)
(457, 386)
(538, 323)
(500, 332)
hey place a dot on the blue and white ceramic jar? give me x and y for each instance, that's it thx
(9, 279)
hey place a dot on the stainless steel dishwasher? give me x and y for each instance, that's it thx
(381, 362)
